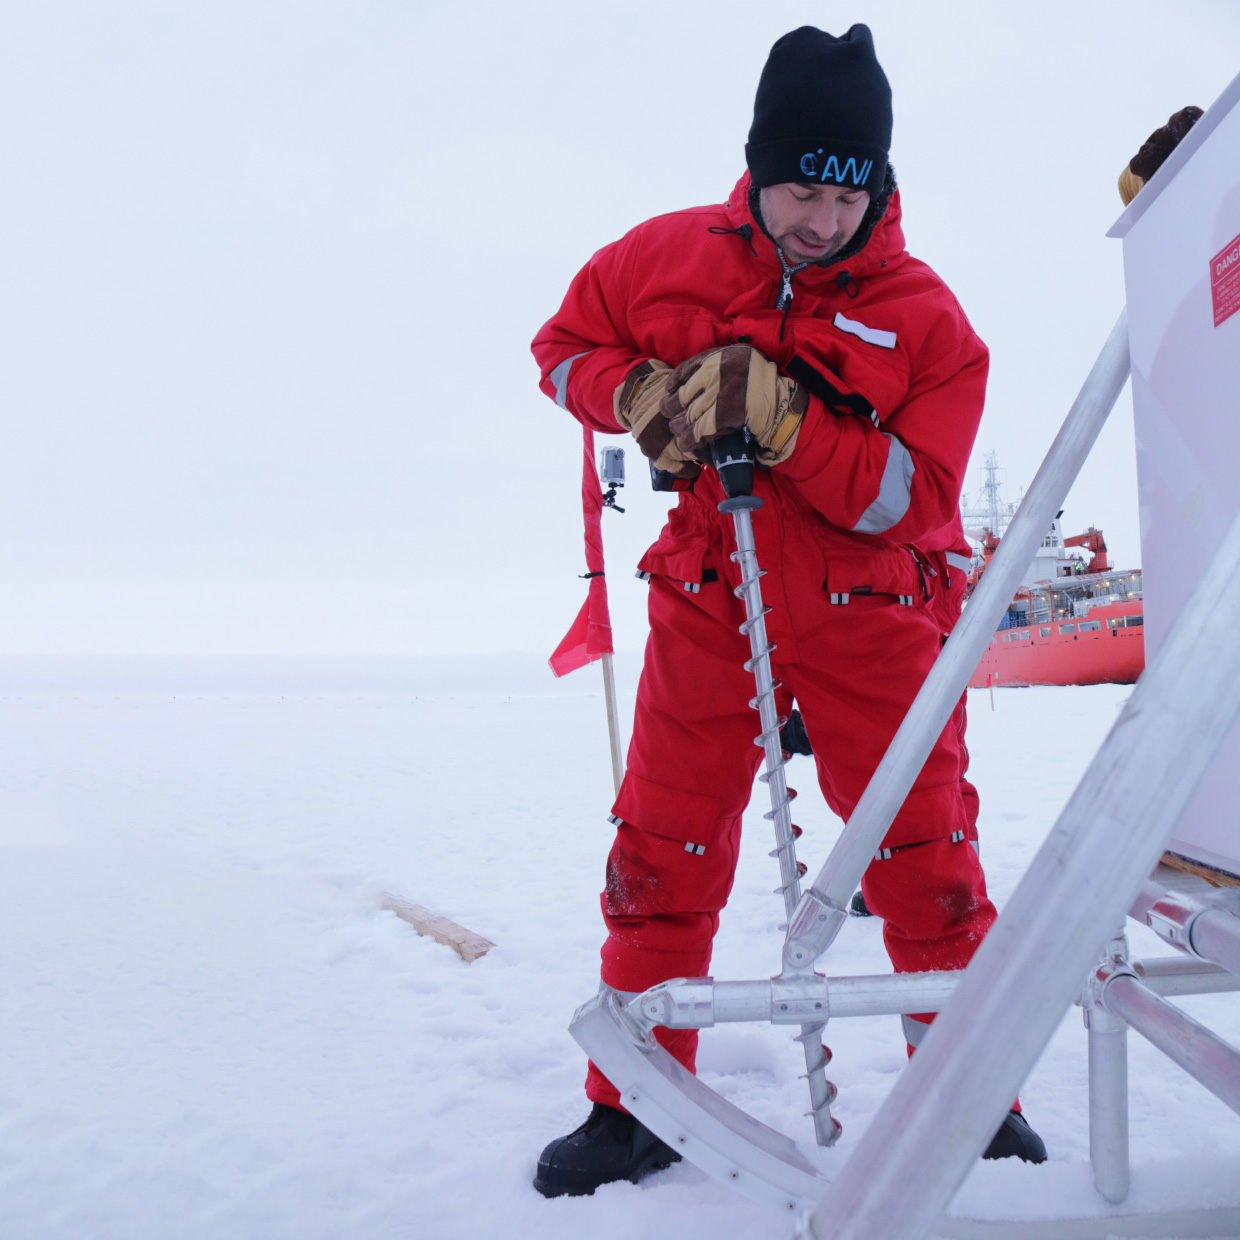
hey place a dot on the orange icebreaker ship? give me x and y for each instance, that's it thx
(1071, 623)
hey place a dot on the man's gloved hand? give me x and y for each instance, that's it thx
(1154, 151)
(635, 404)
(724, 389)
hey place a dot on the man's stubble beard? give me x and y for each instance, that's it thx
(835, 245)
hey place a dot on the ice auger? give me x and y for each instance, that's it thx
(734, 456)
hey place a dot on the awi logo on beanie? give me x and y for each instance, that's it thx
(832, 169)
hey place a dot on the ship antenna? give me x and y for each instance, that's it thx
(991, 489)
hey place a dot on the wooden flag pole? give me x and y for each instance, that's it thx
(613, 721)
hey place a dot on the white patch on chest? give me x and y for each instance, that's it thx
(871, 335)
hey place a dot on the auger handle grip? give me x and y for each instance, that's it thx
(733, 456)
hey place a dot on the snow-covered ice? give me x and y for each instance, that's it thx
(207, 1029)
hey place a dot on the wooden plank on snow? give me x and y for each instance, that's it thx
(468, 945)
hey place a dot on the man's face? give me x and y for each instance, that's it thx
(812, 222)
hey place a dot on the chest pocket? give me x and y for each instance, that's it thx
(878, 375)
(896, 576)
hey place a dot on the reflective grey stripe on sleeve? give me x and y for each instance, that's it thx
(894, 492)
(962, 562)
(914, 1030)
(559, 379)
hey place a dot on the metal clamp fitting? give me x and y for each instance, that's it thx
(1102, 977)
(1172, 918)
(799, 999)
(813, 924)
(681, 1003)
(1193, 924)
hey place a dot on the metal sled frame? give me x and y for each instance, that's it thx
(1041, 955)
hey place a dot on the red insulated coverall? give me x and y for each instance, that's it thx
(897, 380)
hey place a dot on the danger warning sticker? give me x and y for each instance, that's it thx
(1225, 280)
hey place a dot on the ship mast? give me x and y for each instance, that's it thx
(989, 509)
(990, 490)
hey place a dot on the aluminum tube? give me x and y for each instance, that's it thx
(1216, 937)
(906, 755)
(1218, 982)
(699, 1003)
(1202, 1054)
(888, 994)
(1204, 924)
(1108, 1103)
(956, 1090)
(737, 1002)
(1160, 967)
(1184, 975)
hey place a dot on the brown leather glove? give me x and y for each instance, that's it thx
(1154, 151)
(636, 406)
(724, 389)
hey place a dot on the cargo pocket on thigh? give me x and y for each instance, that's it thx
(686, 563)
(673, 853)
(892, 576)
(689, 818)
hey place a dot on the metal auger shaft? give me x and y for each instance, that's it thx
(733, 457)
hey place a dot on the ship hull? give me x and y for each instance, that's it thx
(1102, 656)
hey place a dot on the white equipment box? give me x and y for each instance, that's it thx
(1181, 239)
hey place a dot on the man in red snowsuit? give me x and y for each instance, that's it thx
(792, 309)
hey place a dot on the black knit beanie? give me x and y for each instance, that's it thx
(822, 113)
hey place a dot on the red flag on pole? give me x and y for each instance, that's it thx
(590, 636)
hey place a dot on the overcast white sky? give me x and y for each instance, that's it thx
(269, 272)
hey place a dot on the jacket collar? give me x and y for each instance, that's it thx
(880, 253)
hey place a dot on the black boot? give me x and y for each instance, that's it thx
(857, 906)
(610, 1145)
(793, 738)
(1015, 1139)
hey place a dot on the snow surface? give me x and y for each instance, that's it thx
(207, 1029)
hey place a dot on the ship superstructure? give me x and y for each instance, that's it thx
(1072, 621)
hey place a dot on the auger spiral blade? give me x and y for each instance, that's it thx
(740, 505)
